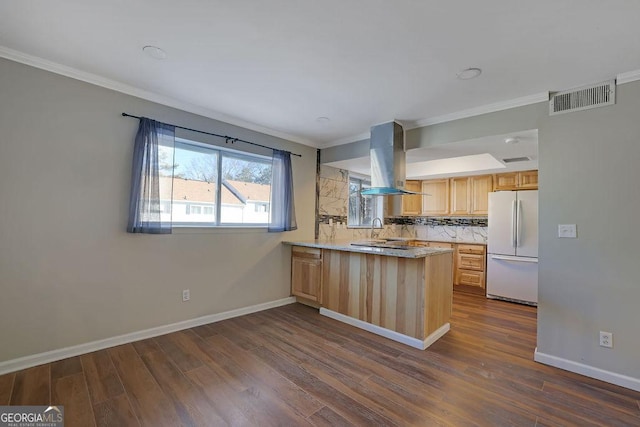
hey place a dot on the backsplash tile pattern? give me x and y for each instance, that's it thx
(334, 191)
(333, 204)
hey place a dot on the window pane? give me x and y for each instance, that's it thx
(362, 209)
(245, 190)
(194, 184)
(354, 202)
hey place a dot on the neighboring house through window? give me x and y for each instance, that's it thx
(213, 186)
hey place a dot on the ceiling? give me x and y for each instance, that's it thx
(277, 66)
(471, 157)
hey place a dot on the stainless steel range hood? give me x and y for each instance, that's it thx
(388, 161)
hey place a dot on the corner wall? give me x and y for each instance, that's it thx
(69, 273)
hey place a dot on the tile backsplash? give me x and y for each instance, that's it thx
(331, 217)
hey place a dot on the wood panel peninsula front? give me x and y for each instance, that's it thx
(402, 294)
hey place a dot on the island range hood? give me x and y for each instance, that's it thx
(388, 161)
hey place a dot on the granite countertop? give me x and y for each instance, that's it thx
(345, 245)
(464, 242)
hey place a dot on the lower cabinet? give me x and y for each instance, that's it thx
(306, 273)
(471, 262)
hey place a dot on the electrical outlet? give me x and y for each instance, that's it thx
(186, 295)
(606, 339)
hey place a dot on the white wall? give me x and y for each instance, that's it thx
(69, 273)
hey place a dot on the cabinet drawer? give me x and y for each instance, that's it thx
(440, 245)
(470, 278)
(471, 262)
(304, 252)
(471, 249)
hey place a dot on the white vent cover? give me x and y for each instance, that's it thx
(583, 98)
(516, 159)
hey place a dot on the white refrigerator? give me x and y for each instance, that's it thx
(512, 246)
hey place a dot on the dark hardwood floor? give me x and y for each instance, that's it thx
(289, 366)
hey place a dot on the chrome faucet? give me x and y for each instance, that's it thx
(373, 223)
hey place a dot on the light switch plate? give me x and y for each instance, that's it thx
(567, 231)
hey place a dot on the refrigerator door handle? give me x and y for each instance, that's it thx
(518, 223)
(514, 258)
(513, 224)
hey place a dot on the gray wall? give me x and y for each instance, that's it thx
(589, 177)
(69, 273)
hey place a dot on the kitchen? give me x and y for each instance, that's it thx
(431, 217)
(78, 290)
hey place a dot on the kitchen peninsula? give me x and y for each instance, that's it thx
(395, 290)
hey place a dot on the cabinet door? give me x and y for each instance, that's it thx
(481, 186)
(506, 181)
(459, 188)
(528, 180)
(412, 205)
(306, 273)
(437, 203)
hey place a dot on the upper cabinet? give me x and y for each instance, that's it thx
(470, 195)
(460, 196)
(524, 180)
(437, 202)
(412, 205)
(481, 186)
(528, 179)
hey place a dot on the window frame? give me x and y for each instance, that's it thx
(220, 154)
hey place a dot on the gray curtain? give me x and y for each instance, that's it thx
(283, 213)
(144, 202)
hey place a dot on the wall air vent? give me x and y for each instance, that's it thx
(583, 98)
(516, 159)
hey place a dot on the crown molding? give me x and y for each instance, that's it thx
(630, 76)
(74, 73)
(483, 109)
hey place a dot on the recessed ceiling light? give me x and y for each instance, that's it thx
(155, 52)
(323, 120)
(512, 140)
(469, 73)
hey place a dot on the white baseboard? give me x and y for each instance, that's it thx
(587, 371)
(388, 333)
(62, 353)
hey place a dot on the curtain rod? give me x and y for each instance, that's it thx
(227, 138)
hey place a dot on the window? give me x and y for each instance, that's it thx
(213, 186)
(362, 209)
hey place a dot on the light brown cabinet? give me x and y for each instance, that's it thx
(470, 195)
(306, 273)
(469, 264)
(528, 180)
(460, 190)
(523, 180)
(481, 186)
(471, 261)
(437, 203)
(412, 204)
